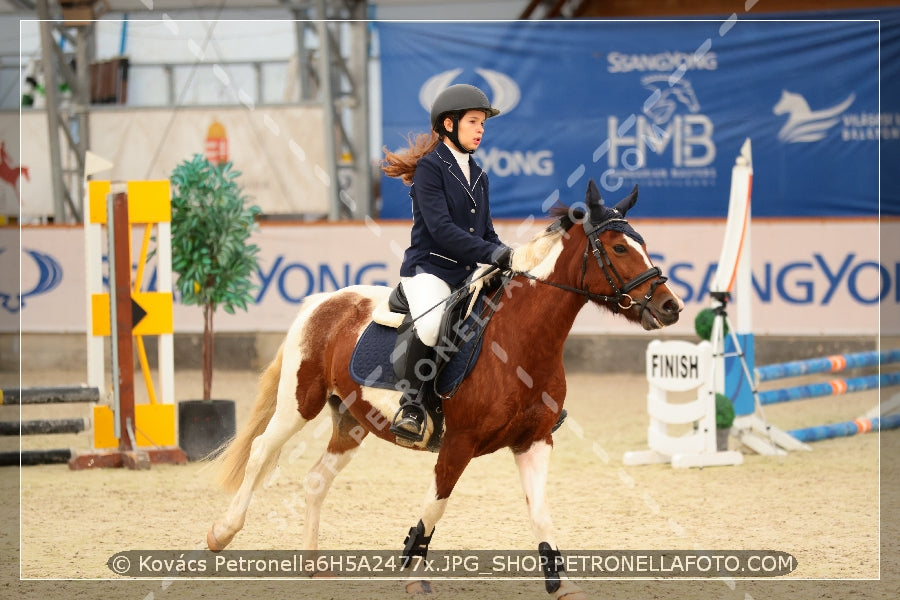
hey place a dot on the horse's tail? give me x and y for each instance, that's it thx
(233, 462)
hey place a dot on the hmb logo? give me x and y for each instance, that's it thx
(662, 129)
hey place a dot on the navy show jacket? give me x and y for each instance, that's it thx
(452, 229)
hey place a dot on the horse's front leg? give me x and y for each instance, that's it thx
(454, 456)
(533, 466)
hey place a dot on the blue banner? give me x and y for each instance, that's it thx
(665, 105)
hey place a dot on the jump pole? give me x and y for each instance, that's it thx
(49, 395)
(45, 395)
(847, 428)
(826, 364)
(835, 387)
(877, 419)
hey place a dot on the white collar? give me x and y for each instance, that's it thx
(461, 157)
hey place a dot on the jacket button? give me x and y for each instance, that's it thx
(468, 268)
(471, 230)
(472, 211)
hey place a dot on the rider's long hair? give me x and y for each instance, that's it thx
(403, 164)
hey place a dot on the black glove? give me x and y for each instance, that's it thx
(502, 257)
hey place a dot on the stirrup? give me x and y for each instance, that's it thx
(408, 428)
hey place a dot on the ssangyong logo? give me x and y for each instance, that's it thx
(504, 92)
(804, 124)
(620, 62)
(49, 276)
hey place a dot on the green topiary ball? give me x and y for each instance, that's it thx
(703, 323)
(724, 412)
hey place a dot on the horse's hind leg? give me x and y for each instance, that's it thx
(346, 436)
(533, 467)
(264, 450)
(282, 426)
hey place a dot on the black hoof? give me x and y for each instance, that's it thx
(559, 421)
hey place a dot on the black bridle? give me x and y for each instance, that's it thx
(622, 299)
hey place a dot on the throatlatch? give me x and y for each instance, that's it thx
(552, 565)
(416, 543)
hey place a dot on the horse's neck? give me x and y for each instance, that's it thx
(539, 317)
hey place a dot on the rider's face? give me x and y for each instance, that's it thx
(471, 129)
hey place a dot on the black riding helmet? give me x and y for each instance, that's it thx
(454, 102)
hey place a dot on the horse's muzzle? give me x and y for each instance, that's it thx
(661, 312)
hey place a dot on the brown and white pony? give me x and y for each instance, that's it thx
(511, 399)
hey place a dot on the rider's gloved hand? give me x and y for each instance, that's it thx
(502, 257)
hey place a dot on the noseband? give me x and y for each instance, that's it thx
(621, 298)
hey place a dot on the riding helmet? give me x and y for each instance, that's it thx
(460, 97)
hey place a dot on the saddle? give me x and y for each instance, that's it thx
(468, 311)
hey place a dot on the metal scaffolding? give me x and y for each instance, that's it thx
(332, 41)
(67, 115)
(341, 37)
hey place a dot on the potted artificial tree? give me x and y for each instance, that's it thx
(724, 421)
(213, 261)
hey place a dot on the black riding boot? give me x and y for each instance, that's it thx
(409, 422)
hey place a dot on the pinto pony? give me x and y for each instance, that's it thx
(511, 399)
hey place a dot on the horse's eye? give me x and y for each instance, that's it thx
(619, 249)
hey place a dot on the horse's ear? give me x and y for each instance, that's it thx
(628, 201)
(594, 202)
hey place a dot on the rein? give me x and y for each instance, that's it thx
(621, 298)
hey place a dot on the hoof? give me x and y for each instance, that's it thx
(323, 575)
(212, 542)
(576, 595)
(419, 587)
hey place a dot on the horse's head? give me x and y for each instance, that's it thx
(606, 261)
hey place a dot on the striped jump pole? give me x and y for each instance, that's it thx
(829, 388)
(826, 364)
(846, 429)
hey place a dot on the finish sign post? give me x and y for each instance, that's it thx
(678, 366)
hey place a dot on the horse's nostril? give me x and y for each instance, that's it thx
(671, 307)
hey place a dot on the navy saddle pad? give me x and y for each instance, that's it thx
(371, 364)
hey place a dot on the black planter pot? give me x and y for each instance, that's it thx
(203, 427)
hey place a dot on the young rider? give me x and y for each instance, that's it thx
(452, 231)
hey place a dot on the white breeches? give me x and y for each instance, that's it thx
(424, 291)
